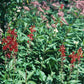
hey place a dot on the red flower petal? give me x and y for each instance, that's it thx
(8, 55)
(4, 47)
(28, 41)
(16, 49)
(62, 5)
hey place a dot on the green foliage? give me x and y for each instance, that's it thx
(39, 61)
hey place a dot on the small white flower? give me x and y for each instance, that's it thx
(76, 42)
(18, 10)
(10, 23)
(14, 18)
(5, 26)
(55, 30)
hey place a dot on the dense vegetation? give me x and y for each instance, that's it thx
(41, 42)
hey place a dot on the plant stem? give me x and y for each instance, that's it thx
(5, 68)
(62, 69)
(50, 67)
(70, 73)
(77, 69)
(26, 77)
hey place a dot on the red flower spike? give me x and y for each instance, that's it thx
(4, 41)
(4, 47)
(77, 56)
(10, 42)
(8, 55)
(8, 37)
(16, 49)
(32, 29)
(80, 52)
(9, 31)
(12, 32)
(73, 60)
(72, 54)
(10, 49)
(30, 36)
(62, 5)
(73, 57)
(62, 50)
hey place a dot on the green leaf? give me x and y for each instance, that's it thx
(74, 81)
(21, 73)
(21, 47)
(20, 81)
(42, 75)
(25, 24)
(31, 82)
(11, 64)
(49, 79)
(30, 75)
(18, 1)
(83, 42)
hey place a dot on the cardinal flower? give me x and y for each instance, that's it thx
(30, 36)
(32, 29)
(62, 5)
(10, 43)
(80, 52)
(62, 50)
(73, 57)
